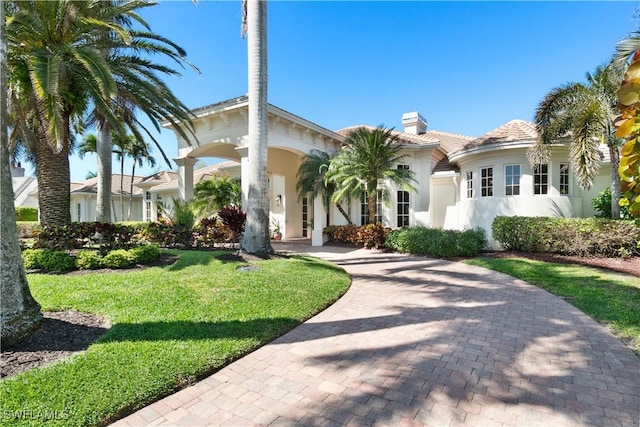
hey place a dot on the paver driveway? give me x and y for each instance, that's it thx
(419, 341)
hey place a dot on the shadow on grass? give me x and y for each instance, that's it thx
(261, 329)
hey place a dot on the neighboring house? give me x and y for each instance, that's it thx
(23, 187)
(462, 182)
(84, 197)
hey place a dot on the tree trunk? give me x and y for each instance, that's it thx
(133, 173)
(52, 171)
(256, 236)
(344, 213)
(371, 206)
(19, 312)
(614, 153)
(122, 186)
(103, 150)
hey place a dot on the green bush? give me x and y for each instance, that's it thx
(568, 236)
(165, 234)
(602, 204)
(26, 214)
(118, 258)
(46, 259)
(144, 254)
(88, 260)
(437, 242)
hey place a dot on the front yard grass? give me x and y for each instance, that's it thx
(612, 299)
(170, 326)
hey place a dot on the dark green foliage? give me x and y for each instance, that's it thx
(88, 260)
(602, 204)
(119, 258)
(26, 214)
(145, 254)
(437, 242)
(568, 236)
(165, 234)
(46, 259)
(78, 234)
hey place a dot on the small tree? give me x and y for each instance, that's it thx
(211, 195)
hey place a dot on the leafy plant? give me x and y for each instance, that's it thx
(118, 258)
(234, 218)
(372, 236)
(88, 260)
(437, 242)
(145, 254)
(24, 213)
(602, 204)
(46, 259)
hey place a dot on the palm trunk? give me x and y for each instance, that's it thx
(122, 186)
(614, 153)
(52, 171)
(256, 237)
(103, 150)
(19, 312)
(371, 206)
(133, 173)
(344, 213)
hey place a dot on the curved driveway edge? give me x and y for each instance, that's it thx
(422, 342)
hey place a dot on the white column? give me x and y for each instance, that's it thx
(185, 177)
(244, 173)
(319, 222)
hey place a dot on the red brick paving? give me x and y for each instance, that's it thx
(421, 342)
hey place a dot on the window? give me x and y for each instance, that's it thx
(486, 183)
(469, 185)
(564, 179)
(403, 166)
(364, 212)
(403, 209)
(147, 195)
(305, 217)
(148, 211)
(512, 180)
(540, 179)
(79, 211)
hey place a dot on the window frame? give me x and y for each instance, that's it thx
(470, 189)
(541, 179)
(486, 182)
(512, 180)
(403, 206)
(563, 186)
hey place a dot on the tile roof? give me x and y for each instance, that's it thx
(91, 185)
(406, 138)
(198, 175)
(515, 130)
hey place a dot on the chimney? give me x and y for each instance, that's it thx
(17, 171)
(414, 123)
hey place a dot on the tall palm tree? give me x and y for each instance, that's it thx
(311, 179)
(55, 68)
(368, 157)
(121, 147)
(69, 55)
(19, 313)
(139, 153)
(256, 236)
(584, 113)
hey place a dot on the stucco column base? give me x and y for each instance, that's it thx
(319, 219)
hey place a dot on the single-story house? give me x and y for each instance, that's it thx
(462, 181)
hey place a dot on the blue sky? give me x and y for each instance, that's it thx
(467, 67)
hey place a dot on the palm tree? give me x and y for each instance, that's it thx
(311, 179)
(256, 236)
(368, 156)
(88, 56)
(585, 113)
(19, 313)
(121, 147)
(211, 195)
(139, 153)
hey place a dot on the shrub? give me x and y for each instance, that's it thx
(164, 234)
(342, 233)
(210, 231)
(79, 234)
(568, 236)
(372, 236)
(437, 242)
(144, 254)
(88, 260)
(118, 258)
(28, 229)
(234, 218)
(602, 204)
(26, 214)
(47, 259)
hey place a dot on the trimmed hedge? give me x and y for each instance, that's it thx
(24, 213)
(56, 261)
(568, 236)
(437, 242)
(46, 259)
(371, 236)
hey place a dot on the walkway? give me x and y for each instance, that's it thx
(422, 342)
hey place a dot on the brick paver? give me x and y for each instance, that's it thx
(426, 342)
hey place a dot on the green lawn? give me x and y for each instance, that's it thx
(610, 298)
(171, 326)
